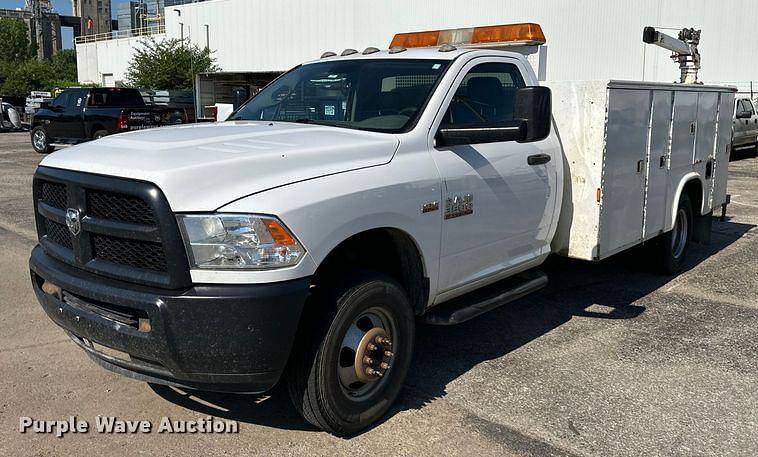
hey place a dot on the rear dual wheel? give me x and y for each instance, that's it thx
(352, 355)
(672, 247)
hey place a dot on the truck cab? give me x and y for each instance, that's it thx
(300, 240)
(745, 124)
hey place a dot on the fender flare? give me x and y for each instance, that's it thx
(687, 178)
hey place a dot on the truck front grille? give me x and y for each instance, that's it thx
(58, 234)
(119, 207)
(54, 194)
(137, 254)
(127, 230)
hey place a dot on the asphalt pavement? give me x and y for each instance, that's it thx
(609, 359)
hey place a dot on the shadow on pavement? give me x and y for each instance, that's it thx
(603, 290)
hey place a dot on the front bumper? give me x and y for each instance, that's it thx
(223, 338)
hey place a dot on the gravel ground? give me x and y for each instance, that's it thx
(608, 360)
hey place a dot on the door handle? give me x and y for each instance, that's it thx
(538, 159)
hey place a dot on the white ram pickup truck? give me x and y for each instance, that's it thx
(302, 239)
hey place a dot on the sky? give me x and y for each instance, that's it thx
(62, 7)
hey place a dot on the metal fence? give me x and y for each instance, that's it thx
(116, 34)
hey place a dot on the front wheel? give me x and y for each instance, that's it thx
(672, 246)
(40, 141)
(352, 354)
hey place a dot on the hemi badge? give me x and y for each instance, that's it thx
(429, 207)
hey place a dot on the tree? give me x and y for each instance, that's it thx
(14, 40)
(168, 64)
(64, 65)
(28, 76)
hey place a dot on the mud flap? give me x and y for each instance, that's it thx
(702, 230)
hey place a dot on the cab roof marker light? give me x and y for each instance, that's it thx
(328, 54)
(527, 33)
(370, 50)
(447, 48)
(397, 49)
(348, 52)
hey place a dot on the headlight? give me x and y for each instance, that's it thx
(238, 241)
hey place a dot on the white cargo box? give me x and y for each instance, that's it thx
(629, 146)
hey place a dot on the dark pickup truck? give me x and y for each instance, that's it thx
(82, 114)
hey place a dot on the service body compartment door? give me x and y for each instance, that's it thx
(683, 133)
(657, 166)
(707, 112)
(624, 170)
(723, 144)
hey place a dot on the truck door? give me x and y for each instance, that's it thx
(71, 121)
(53, 124)
(496, 208)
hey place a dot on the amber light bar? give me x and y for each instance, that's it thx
(512, 34)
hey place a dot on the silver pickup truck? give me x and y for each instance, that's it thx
(745, 126)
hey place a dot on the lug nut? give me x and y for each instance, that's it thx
(388, 353)
(384, 365)
(371, 372)
(371, 347)
(368, 360)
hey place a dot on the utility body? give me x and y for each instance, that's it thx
(301, 239)
(77, 115)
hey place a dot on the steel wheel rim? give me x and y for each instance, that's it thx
(39, 139)
(365, 324)
(679, 238)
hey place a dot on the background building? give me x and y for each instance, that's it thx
(50, 25)
(95, 15)
(586, 39)
(137, 14)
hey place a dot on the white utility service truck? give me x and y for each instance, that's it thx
(355, 195)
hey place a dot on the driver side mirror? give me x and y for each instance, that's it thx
(531, 122)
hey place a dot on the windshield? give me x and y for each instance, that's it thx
(384, 95)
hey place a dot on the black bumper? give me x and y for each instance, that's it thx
(224, 338)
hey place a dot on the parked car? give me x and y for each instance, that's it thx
(77, 115)
(303, 238)
(745, 127)
(10, 119)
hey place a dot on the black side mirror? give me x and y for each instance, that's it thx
(534, 106)
(531, 122)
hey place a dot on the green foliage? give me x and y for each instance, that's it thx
(14, 40)
(64, 64)
(168, 64)
(28, 76)
(19, 76)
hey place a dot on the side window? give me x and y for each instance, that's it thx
(485, 96)
(62, 99)
(749, 106)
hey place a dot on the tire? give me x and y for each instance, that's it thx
(321, 375)
(99, 134)
(40, 141)
(672, 246)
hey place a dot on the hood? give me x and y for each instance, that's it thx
(201, 167)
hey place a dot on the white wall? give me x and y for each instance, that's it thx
(587, 39)
(94, 60)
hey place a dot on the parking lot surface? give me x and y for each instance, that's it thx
(609, 359)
